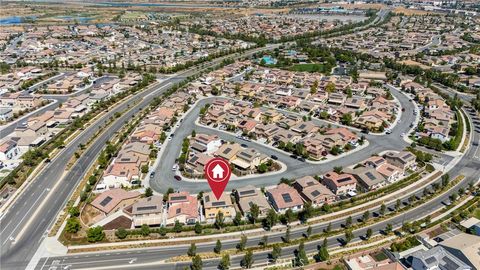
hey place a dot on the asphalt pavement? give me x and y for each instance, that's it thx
(25, 225)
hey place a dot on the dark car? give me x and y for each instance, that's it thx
(274, 157)
(293, 156)
(244, 145)
(47, 160)
(365, 131)
(301, 159)
(152, 174)
(178, 177)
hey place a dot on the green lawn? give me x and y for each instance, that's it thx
(476, 213)
(309, 68)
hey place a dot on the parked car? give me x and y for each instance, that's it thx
(152, 174)
(273, 157)
(178, 177)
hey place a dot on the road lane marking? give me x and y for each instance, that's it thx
(20, 223)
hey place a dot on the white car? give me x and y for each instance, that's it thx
(403, 135)
(388, 131)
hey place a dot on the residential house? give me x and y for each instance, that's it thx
(437, 258)
(249, 195)
(312, 191)
(212, 206)
(114, 199)
(9, 150)
(403, 160)
(368, 178)
(148, 211)
(340, 184)
(182, 207)
(284, 197)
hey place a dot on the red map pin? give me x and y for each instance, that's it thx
(217, 171)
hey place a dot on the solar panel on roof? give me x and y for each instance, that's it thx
(207, 199)
(247, 192)
(222, 203)
(310, 183)
(449, 264)
(315, 193)
(345, 179)
(370, 176)
(106, 201)
(246, 155)
(226, 151)
(286, 197)
(178, 198)
(146, 208)
(430, 260)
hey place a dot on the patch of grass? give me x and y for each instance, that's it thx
(476, 213)
(380, 256)
(309, 68)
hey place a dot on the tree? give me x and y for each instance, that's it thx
(148, 192)
(95, 234)
(264, 241)
(145, 230)
(262, 168)
(194, 133)
(348, 236)
(121, 233)
(329, 228)
(224, 262)
(445, 179)
(197, 263)
(289, 215)
(338, 169)
(218, 247)
(383, 209)
(243, 242)
(286, 238)
(219, 220)
(254, 212)
(369, 233)
(301, 258)
(276, 252)
(309, 232)
(192, 250)
(388, 228)
(144, 169)
(73, 225)
(322, 254)
(247, 260)
(178, 226)
(74, 211)
(198, 228)
(366, 216)
(348, 222)
(271, 219)
(314, 87)
(346, 119)
(330, 87)
(237, 220)
(398, 204)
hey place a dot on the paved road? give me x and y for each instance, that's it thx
(151, 258)
(164, 175)
(36, 209)
(9, 128)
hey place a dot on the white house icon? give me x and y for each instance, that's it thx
(218, 172)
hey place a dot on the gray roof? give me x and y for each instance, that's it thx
(437, 258)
